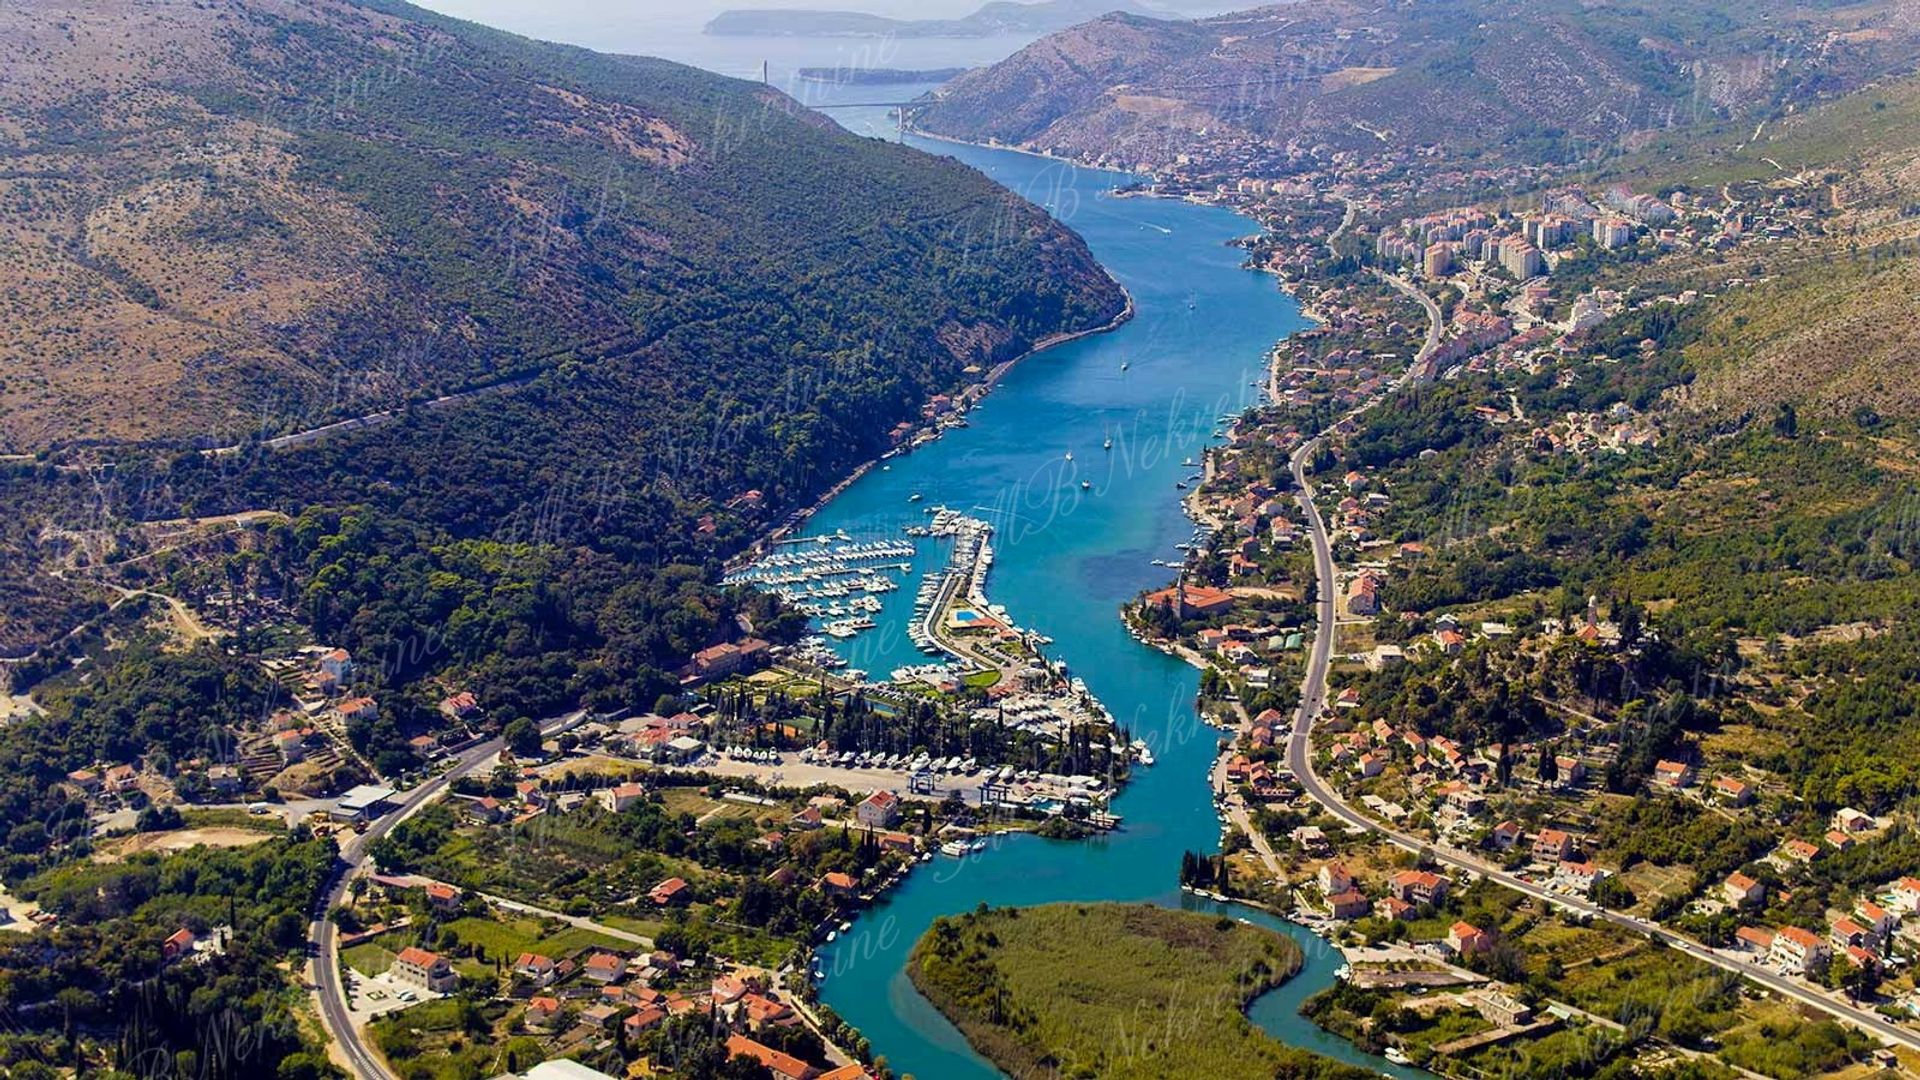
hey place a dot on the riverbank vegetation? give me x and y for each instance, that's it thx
(1112, 991)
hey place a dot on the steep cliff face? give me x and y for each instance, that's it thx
(1496, 77)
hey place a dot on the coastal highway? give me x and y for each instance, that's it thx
(324, 938)
(1313, 699)
(1434, 322)
(370, 420)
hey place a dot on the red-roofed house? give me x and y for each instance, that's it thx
(762, 1010)
(1740, 891)
(670, 892)
(1395, 909)
(536, 969)
(1333, 878)
(643, 1018)
(1673, 774)
(1754, 939)
(1578, 878)
(728, 989)
(543, 1012)
(1800, 851)
(1847, 932)
(1878, 919)
(1732, 792)
(358, 708)
(605, 967)
(1466, 939)
(1419, 886)
(1573, 771)
(421, 968)
(617, 798)
(1349, 905)
(1552, 845)
(459, 706)
(1797, 951)
(782, 1065)
(880, 810)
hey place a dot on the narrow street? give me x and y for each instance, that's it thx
(323, 937)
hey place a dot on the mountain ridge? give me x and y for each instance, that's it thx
(996, 17)
(1486, 78)
(253, 217)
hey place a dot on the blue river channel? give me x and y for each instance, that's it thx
(1068, 557)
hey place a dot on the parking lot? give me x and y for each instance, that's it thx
(370, 996)
(792, 772)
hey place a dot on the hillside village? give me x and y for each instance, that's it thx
(1519, 306)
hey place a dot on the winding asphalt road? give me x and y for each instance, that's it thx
(1434, 322)
(324, 938)
(1313, 701)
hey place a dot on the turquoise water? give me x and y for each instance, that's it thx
(1067, 559)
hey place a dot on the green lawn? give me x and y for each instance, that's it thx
(370, 958)
(643, 927)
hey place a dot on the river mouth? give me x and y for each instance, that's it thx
(1078, 528)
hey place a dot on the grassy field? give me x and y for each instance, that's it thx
(686, 800)
(1113, 991)
(643, 927)
(1650, 883)
(369, 958)
(225, 817)
(376, 956)
(509, 938)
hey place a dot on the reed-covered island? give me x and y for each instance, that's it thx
(1113, 991)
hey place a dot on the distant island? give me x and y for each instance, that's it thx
(1000, 17)
(877, 76)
